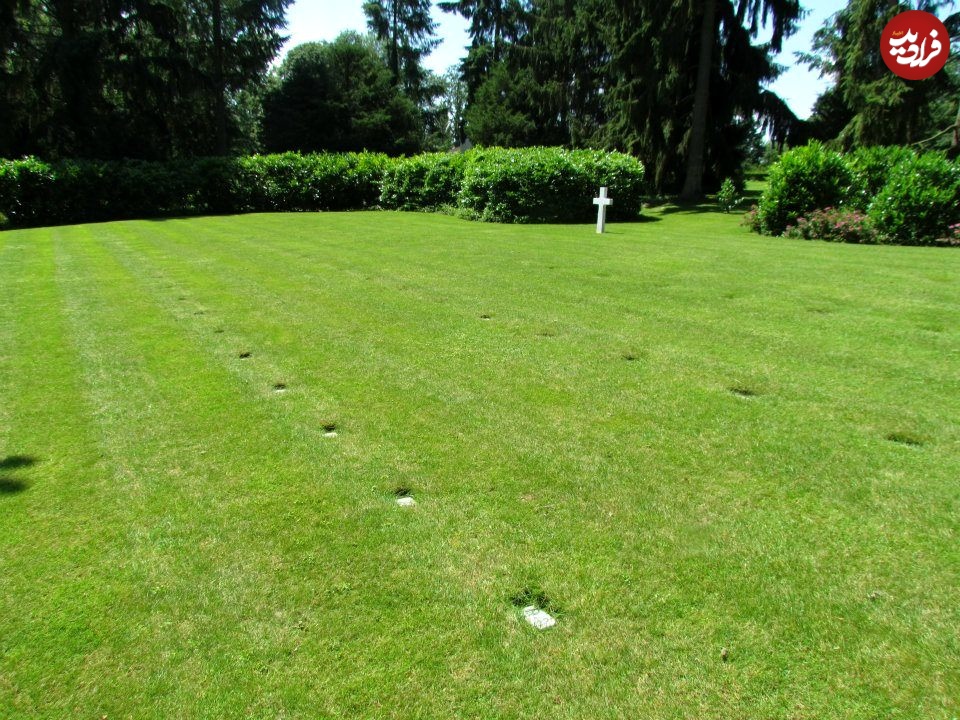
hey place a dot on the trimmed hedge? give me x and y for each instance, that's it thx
(33, 192)
(526, 185)
(424, 182)
(549, 184)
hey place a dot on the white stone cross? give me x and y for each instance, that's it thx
(601, 203)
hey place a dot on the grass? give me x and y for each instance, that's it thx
(727, 464)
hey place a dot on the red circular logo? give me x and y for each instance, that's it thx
(915, 45)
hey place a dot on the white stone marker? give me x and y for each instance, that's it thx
(601, 203)
(406, 501)
(540, 619)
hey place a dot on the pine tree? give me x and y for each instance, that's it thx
(130, 78)
(495, 26)
(871, 105)
(407, 32)
(722, 21)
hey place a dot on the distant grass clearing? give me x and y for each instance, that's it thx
(727, 465)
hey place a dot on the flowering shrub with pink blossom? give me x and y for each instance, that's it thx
(952, 238)
(751, 218)
(834, 225)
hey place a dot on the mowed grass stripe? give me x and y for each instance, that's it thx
(786, 387)
(497, 598)
(399, 554)
(320, 335)
(390, 602)
(869, 440)
(61, 538)
(230, 594)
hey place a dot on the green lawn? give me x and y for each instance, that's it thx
(678, 437)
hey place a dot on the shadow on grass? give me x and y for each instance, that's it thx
(9, 486)
(12, 462)
(674, 206)
(689, 208)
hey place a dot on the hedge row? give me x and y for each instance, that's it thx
(908, 198)
(549, 185)
(526, 185)
(33, 192)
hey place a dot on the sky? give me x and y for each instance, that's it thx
(312, 20)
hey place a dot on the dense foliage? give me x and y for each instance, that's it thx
(532, 185)
(834, 225)
(148, 79)
(407, 33)
(804, 179)
(920, 201)
(424, 182)
(655, 79)
(867, 104)
(871, 168)
(891, 195)
(316, 103)
(71, 191)
(549, 184)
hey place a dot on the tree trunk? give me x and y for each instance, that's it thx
(220, 100)
(693, 184)
(395, 43)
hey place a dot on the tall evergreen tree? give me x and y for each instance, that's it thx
(722, 22)
(870, 104)
(407, 32)
(495, 26)
(132, 78)
(232, 45)
(338, 96)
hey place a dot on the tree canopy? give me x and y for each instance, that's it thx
(338, 96)
(867, 104)
(131, 78)
(682, 84)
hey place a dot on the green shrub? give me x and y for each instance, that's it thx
(37, 193)
(218, 186)
(920, 201)
(4, 222)
(804, 179)
(751, 219)
(834, 225)
(86, 192)
(533, 185)
(871, 167)
(294, 182)
(348, 181)
(8, 187)
(423, 182)
(548, 184)
(151, 189)
(728, 198)
(27, 194)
